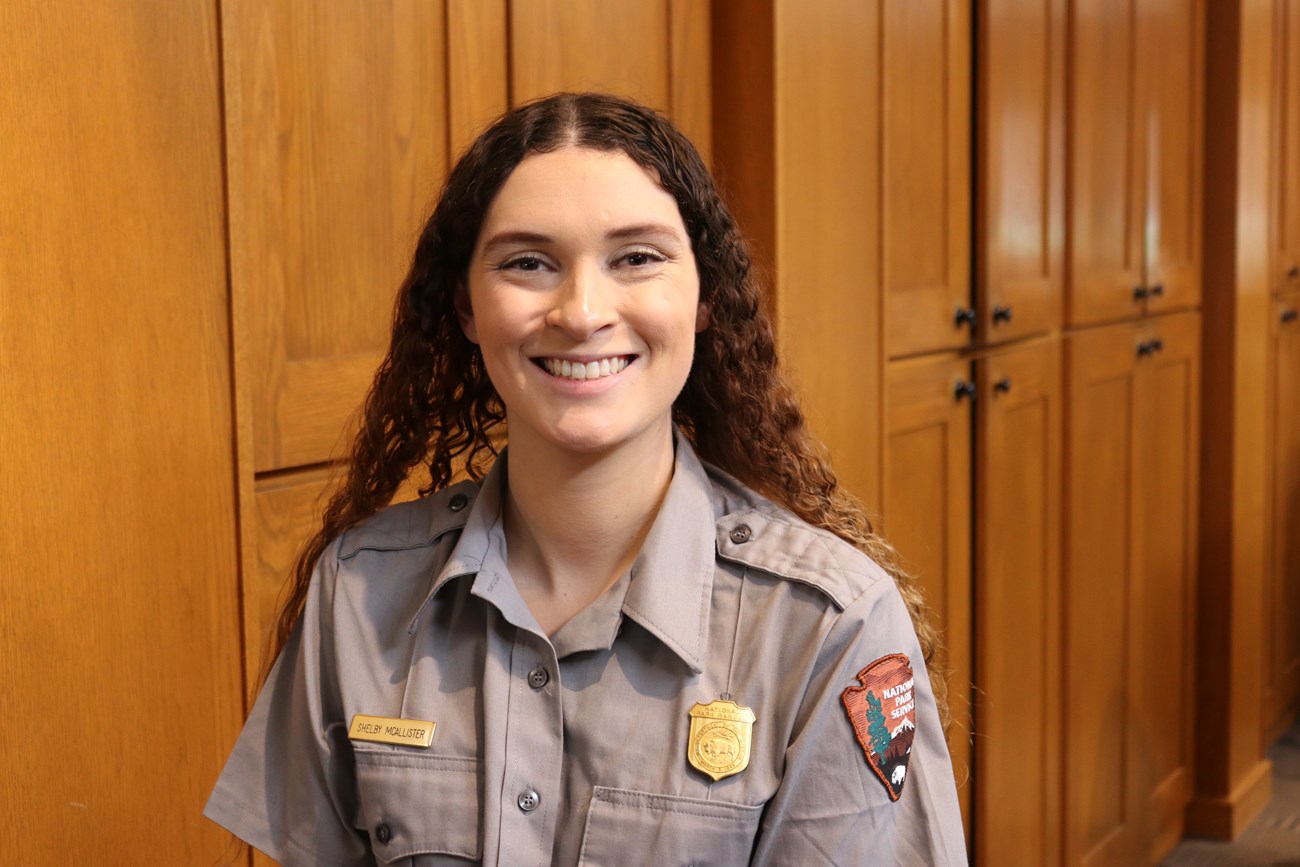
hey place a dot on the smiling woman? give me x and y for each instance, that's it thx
(652, 630)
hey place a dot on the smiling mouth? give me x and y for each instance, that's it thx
(579, 371)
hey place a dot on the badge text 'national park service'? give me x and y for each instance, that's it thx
(883, 713)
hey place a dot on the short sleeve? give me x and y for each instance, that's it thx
(833, 806)
(289, 786)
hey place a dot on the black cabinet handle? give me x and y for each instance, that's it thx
(1289, 316)
(1150, 347)
(965, 389)
(1158, 289)
(965, 316)
(1002, 386)
(1001, 314)
(1293, 272)
(1140, 292)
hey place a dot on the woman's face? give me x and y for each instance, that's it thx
(585, 300)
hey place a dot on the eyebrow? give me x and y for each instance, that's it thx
(638, 230)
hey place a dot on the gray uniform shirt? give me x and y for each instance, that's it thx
(572, 749)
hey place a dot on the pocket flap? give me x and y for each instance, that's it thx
(415, 804)
(623, 824)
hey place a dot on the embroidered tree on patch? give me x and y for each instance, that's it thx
(877, 730)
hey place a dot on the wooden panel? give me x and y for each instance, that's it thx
(1286, 154)
(1162, 665)
(1282, 666)
(1106, 165)
(288, 510)
(690, 92)
(337, 130)
(925, 172)
(1232, 774)
(1021, 159)
(477, 69)
(620, 46)
(119, 635)
(1171, 60)
(927, 518)
(1018, 606)
(1101, 559)
(826, 170)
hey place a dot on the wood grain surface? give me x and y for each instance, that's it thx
(119, 636)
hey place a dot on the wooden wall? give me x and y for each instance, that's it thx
(119, 617)
(1004, 300)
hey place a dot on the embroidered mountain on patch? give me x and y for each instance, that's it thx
(883, 713)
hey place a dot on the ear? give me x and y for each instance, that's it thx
(701, 317)
(465, 313)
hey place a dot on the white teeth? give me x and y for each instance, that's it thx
(591, 370)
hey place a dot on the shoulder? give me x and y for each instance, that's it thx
(415, 524)
(755, 532)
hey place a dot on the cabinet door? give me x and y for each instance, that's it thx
(336, 135)
(1169, 57)
(1286, 148)
(1018, 606)
(1163, 613)
(925, 173)
(1101, 569)
(1106, 164)
(656, 51)
(1020, 273)
(1282, 669)
(927, 516)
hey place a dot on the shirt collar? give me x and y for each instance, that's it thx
(671, 585)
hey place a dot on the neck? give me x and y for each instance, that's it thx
(575, 522)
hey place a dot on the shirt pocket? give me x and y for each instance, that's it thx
(625, 827)
(420, 811)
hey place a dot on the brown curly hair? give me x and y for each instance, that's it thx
(431, 402)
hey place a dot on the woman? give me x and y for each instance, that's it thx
(615, 648)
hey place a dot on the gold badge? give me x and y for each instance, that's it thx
(720, 735)
(386, 730)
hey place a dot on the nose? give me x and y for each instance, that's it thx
(583, 303)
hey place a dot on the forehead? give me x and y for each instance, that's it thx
(600, 189)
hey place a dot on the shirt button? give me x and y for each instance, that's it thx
(528, 800)
(740, 535)
(383, 833)
(538, 677)
(458, 502)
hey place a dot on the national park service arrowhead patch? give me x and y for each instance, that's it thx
(883, 714)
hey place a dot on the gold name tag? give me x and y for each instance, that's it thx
(386, 730)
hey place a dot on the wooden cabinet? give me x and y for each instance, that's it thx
(925, 51)
(1020, 168)
(1130, 531)
(1135, 168)
(1017, 606)
(926, 506)
(1282, 602)
(1286, 147)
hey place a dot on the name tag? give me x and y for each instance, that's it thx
(386, 730)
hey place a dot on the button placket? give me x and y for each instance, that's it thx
(534, 751)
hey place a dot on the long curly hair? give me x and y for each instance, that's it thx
(432, 404)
